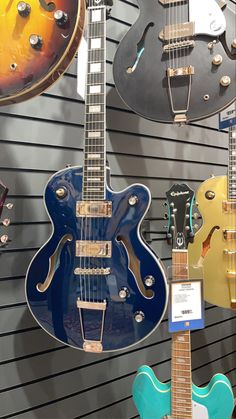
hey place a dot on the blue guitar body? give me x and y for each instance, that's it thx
(153, 398)
(53, 287)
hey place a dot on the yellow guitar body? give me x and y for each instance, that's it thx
(214, 246)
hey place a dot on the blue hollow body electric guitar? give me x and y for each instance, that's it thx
(95, 285)
(181, 399)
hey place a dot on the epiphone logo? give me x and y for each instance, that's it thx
(179, 193)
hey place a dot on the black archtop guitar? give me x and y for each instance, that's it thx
(177, 62)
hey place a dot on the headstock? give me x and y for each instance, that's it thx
(180, 200)
(6, 221)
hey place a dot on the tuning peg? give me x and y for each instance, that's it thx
(9, 205)
(196, 216)
(196, 226)
(4, 239)
(6, 222)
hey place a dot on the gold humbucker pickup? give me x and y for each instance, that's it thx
(96, 249)
(181, 30)
(228, 252)
(178, 45)
(92, 271)
(181, 71)
(229, 235)
(229, 206)
(94, 209)
(91, 305)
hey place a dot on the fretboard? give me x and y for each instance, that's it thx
(181, 375)
(95, 105)
(232, 164)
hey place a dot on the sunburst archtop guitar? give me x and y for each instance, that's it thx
(181, 399)
(177, 63)
(216, 199)
(96, 285)
(39, 38)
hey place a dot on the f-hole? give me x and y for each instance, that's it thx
(134, 266)
(140, 49)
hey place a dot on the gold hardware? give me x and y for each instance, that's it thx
(231, 274)
(178, 45)
(229, 252)
(90, 305)
(92, 271)
(61, 193)
(94, 209)
(229, 206)
(92, 346)
(133, 200)
(217, 59)
(225, 81)
(181, 30)
(180, 119)
(229, 235)
(53, 264)
(234, 43)
(210, 195)
(129, 70)
(181, 71)
(86, 248)
(206, 97)
(212, 44)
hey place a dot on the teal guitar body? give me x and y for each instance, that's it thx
(153, 398)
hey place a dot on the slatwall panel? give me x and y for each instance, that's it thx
(39, 377)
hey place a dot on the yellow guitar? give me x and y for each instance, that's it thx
(216, 199)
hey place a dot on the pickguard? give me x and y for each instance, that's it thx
(210, 20)
(199, 411)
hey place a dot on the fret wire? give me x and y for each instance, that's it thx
(93, 120)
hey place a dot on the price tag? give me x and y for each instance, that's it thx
(186, 308)
(227, 118)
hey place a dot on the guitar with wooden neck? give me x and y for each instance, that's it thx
(96, 285)
(38, 41)
(181, 399)
(177, 62)
(216, 199)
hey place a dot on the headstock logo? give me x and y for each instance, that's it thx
(180, 193)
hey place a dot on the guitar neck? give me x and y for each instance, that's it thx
(95, 105)
(232, 163)
(181, 375)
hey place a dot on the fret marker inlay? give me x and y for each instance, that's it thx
(96, 43)
(95, 109)
(96, 15)
(95, 68)
(95, 89)
(94, 134)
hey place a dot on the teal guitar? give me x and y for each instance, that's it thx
(181, 399)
